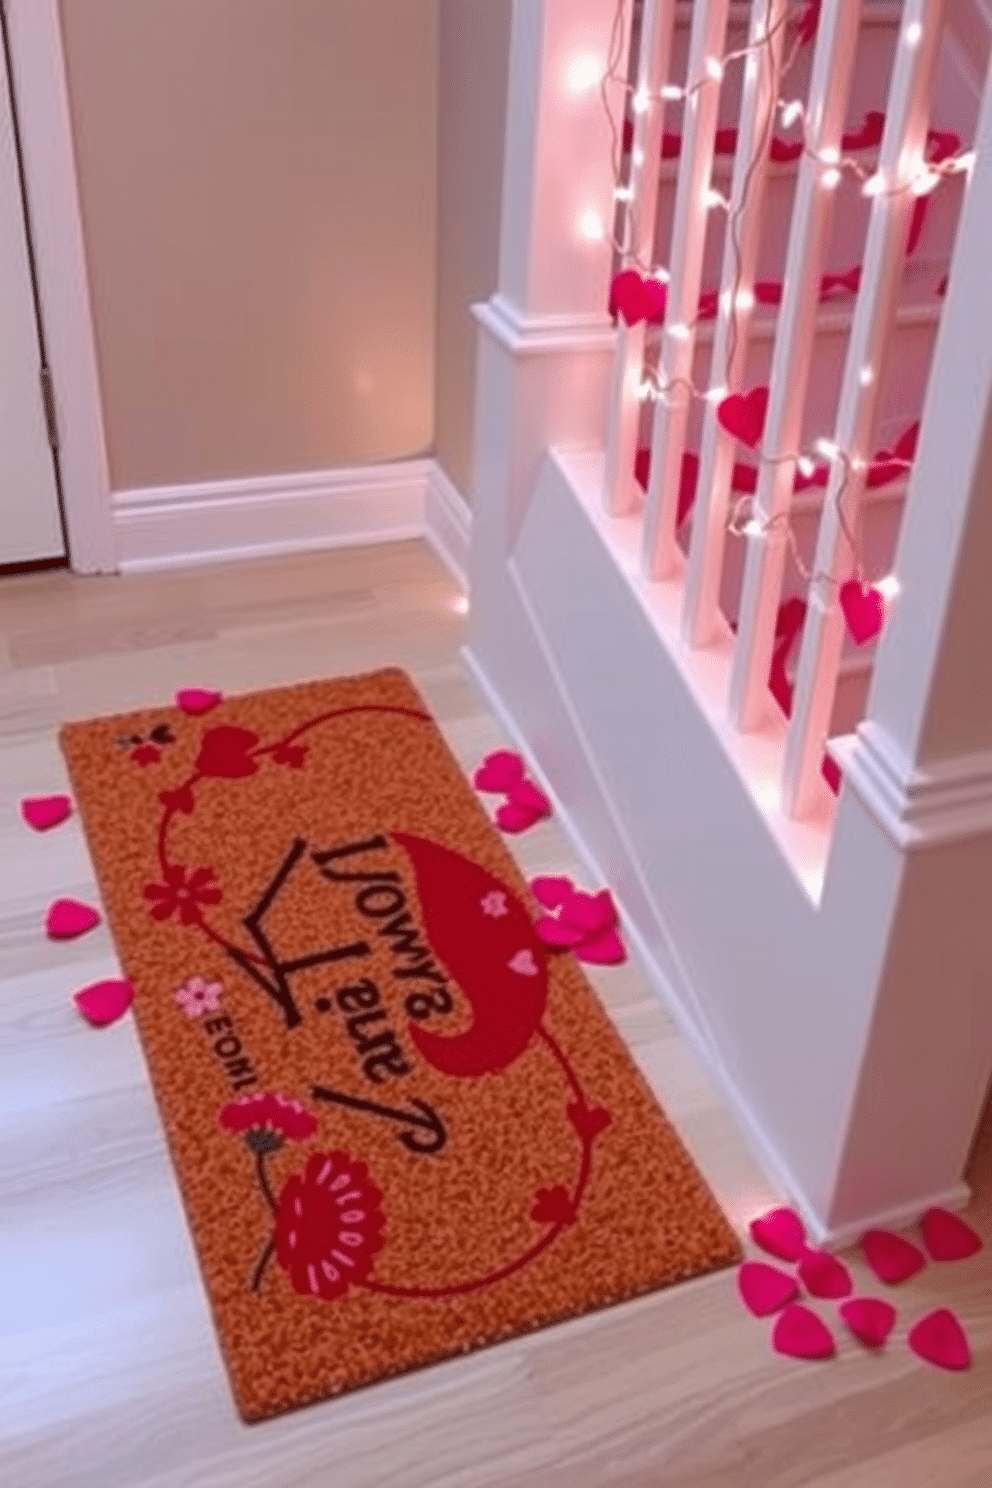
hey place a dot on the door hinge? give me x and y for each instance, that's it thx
(48, 399)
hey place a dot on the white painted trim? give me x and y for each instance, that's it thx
(216, 521)
(916, 807)
(448, 522)
(524, 334)
(57, 235)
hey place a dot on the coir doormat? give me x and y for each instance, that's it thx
(402, 1127)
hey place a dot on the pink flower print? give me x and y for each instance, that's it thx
(494, 904)
(198, 996)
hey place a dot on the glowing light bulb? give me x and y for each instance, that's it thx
(680, 332)
(752, 528)
(713, 198)
(638, 157)
(912, 33)
(925, 182)
(791, 112)
(716, 394)
(671, 93)
(827, 448)
(805, 465)
(624, 193)
(867, 376)
(590, 225)
(830, 156)
(661, 274)
(645, 391)
(714, 69)
(888, 587)
(830, 178)
(962, 162)
(641, 100)
(874, 186)
(584, 73)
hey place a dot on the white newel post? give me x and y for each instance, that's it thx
(546, 340)
(914, 834)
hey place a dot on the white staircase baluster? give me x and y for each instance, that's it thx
(747, 193)
(660, 555)
(833, 63)
(901, 157)
(620, 491)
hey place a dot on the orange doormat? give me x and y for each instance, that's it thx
(402, 1127)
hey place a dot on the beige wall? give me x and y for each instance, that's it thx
(474, 41)
(258, 184)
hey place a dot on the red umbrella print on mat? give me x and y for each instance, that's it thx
(484, 937)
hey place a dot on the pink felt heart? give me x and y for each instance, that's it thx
(940, 1339)
(602, 950)
(590, 913)
(892, 1258)
(864, 610)
(824, 1275)
(800, 1334)
(551, 890)
(513, 818)
(194, 700)
(870, 1319)
(555, 932)
(743, 415)
(781, 1233)
(499, 771)
(68, 918)
(765, 1289)
(42, 812)
(526, 794)
(947, 1237)
(104, 1002)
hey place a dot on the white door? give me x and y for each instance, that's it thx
(30, 525)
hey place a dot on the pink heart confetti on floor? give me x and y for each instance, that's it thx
(870, 1319)
(781, 1233)
(939, 1339)
(499, 771)
(891, 1257)
(824, 1275)
(552, 890)
(602, 950)
(947, 1237)
(42, 812)
(513, 818)
(800, 1334)
(104, 1002)
(765, 1289)
(196, 700)
(68, 918)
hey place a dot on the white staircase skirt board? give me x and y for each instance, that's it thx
(214, 521)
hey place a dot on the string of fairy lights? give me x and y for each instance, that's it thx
(625, 235)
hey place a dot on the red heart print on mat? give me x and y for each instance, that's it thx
(588, 1121)
(104, 1002)
(743, 415)
(42, 812)
(824, 1275)
(800, 1334)
(947, 1237)
(225, 752)
(68, 918)
(195, 700)
(864, 610)
(553, 1206)
(781, 1233)
(499, 771)
(765, 1289)
(892, 1258)
(870, 1319)
(940, 1339)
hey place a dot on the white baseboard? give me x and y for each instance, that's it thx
(161, 527)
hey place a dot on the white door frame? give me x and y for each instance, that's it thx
(45, 128)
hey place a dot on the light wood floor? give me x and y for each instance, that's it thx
(109, 1371)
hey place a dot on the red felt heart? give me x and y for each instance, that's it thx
(588, 1121)
(743, 415)
(870, 1319)
(892, 1258)
(195, 700)
(552, 890)
(225, 752)
(527, 795)
(764, 1289)
(68, 918)
(781, 1233)
(602, 950)
(635, 298)
(940, 1339)
(553, 1206)
(499, 771)
(42, 812)
(799, 1333)
(864, 610)
(513, 818)
(947, 1237)
(824, 1275)
(104, 1002)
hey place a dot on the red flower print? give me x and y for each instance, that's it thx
(225, 752)
(146, 754)
(183, 894)
(329, 1225)
(293, 755)
(267, 1115)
